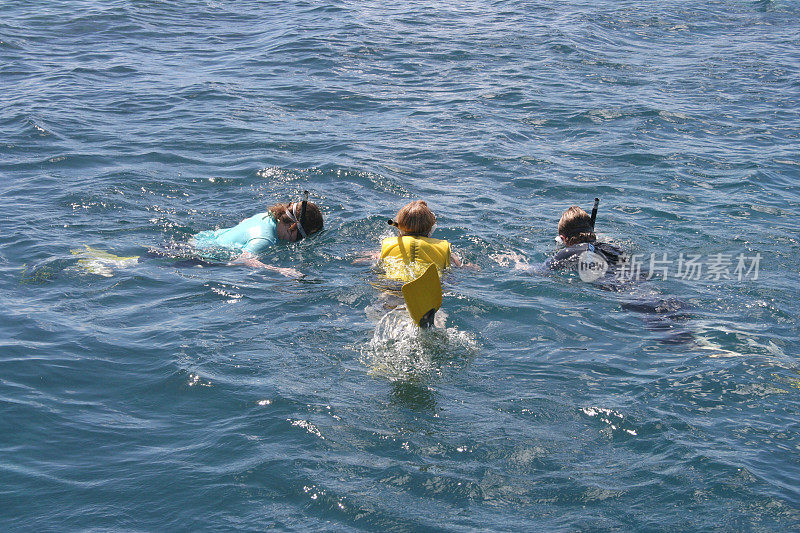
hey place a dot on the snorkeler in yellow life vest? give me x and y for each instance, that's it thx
(407, 256)
(416, 259)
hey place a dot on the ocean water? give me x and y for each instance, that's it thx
(160, 396)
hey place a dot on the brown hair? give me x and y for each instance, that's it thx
(415, 218)
(576, 226)
(313, 219)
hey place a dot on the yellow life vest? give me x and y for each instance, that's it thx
(406, 257)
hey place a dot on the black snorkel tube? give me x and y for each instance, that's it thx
(303, 210)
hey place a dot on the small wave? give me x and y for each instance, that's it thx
(308, 426)
(232, 297)
(613, 419)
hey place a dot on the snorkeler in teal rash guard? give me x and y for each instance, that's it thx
(240, 244)
(252, 236)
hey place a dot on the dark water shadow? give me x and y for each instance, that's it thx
(413, 396)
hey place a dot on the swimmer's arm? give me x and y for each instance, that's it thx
(367, 257)
(251, 260)
(515, 260)
(519, 263)
(458, 261)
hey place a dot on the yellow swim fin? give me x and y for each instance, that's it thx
(423, 297)
(101, 262)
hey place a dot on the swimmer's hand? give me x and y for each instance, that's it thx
(462, 263)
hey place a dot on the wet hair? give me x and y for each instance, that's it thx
(415, 218)
(576, 226)
(312, 222)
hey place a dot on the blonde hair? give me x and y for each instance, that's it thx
(576, 226)
(415, 218)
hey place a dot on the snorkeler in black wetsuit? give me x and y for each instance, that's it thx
(576, 232)
(582, 249)
(568, 256)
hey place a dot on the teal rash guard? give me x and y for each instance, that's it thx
(254, 235)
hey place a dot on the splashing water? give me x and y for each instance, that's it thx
(401, 351)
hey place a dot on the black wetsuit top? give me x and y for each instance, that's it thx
(568, 257)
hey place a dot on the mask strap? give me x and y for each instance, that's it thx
(291, 213)
(396, 225)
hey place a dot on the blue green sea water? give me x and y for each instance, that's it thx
(161, 396)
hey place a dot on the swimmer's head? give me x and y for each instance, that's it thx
(415, 218)
(576, 227)
(290, 214)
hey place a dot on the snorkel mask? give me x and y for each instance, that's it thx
(593, 217)
(299, 218)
